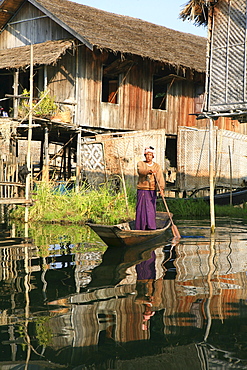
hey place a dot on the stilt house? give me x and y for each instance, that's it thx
(101, 75)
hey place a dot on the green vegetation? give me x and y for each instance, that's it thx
(188, 209)
(47, 105)
(230, 211)
(55, 205)
(44, 106)
(182, 208)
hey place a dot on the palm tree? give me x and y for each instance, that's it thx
(196, 11)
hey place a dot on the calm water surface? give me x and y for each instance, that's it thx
(165, 306)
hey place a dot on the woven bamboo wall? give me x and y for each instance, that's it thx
(229, 152)
(111, 154)
(228, 54)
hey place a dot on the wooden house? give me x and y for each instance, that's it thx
(107, 73)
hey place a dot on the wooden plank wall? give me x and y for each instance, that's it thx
(134, 110)
(37, 31)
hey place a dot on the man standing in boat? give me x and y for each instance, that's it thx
(149, 174)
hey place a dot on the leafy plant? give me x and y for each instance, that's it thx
(43, 106)
(47, 106)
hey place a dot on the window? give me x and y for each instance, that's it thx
(38, 81)
(110, 85)
(199, 98)
(159, 92)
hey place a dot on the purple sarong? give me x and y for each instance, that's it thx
(146, 210)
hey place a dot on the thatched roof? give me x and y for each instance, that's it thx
(104, 30)
(196, 11)
(46, 53)
(130, 35)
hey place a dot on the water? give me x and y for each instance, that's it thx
(86, 306)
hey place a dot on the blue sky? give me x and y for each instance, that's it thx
(162, 12)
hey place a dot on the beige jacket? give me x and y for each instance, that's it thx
(147, 181)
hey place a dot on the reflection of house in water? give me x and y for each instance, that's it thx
(208, 279)
(187, 294)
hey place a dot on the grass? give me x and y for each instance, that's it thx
(97, 205)
(102, 205)
(184, 209)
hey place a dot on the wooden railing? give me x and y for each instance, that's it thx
(12, 191)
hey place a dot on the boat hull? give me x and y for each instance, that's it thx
(234, 198)
(122, 235)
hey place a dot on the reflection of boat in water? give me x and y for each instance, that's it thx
(124, 234)
(116, 261)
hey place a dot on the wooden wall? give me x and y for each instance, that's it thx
(37, 31)
(134, 109)
(83, 83)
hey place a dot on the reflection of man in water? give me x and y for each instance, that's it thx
(146, 316)
(150, 275)
(146, 275)
(146, 269)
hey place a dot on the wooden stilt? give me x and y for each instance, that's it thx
(78, 161)
(16, 84)
(69, 158)
(46, 156)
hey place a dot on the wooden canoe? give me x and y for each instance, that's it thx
(235, 197)
(124, 234)
(238, 196)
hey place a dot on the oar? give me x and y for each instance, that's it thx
(174, 228)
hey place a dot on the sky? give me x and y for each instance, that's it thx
(161, 12)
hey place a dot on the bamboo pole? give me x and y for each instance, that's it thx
(29, 133)
(211, 174)
(45, 175)
(124, 185)
(78, 161)
(16, 84)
